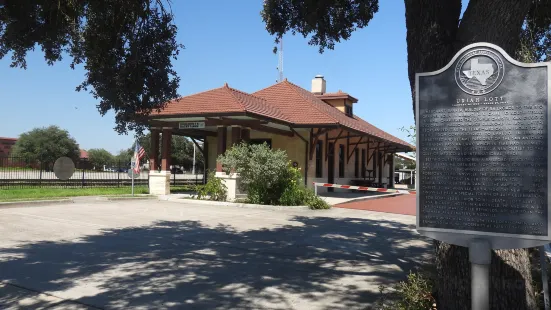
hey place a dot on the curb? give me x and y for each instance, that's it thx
(33, 203)
(234, 204)
(130, 198)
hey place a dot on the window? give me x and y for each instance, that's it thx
(363, 163)
(341, 161)
(348, 110)
(356, 163)
(261, 141)
(319, 159)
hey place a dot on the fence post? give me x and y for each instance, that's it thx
(41, 167)
(80, 162)
(118, 173)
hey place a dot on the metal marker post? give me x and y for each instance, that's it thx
(480, 256)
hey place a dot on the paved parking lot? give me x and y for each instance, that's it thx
(150, 254)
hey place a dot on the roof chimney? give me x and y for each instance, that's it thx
(318, 85)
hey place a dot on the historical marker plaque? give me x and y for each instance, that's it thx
(482, 150)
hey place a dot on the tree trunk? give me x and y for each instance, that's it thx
(434, 34)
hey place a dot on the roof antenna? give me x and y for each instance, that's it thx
(280, 61)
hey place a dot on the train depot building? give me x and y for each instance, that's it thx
(318, 130)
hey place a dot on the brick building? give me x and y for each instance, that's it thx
(318, 130)
(6, 145)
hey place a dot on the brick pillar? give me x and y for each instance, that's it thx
(153, 157)
(165, 152)
(221, 145)
(235, 135)
(246, 134)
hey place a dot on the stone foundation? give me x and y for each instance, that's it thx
(232, 184)
(159, 182)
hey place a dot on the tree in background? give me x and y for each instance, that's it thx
(400, 163)
(124, 157)
(435, 32)
(46, 145)
(125, 46)
(100, 157)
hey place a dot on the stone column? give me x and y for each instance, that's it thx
(159, 181)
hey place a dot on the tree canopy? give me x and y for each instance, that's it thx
(100, 157)
(46, 145)
(435, 29)
(125, 46)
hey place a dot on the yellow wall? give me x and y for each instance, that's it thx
(339, 103)
(296, 148)
(293, 146)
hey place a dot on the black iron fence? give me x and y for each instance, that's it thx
(18, 172)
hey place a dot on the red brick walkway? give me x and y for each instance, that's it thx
(403, 204)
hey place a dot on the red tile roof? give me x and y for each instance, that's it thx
(83, 154)
(284, 94)
(337, 95)
(283, 101)
(221, 100)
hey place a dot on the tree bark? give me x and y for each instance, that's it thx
(434, 34)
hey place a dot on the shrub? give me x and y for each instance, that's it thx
(265, 173)
(214, 189)
(413, 294)
(294, 196)
(297, 195)
(268, 176)
(316, 203)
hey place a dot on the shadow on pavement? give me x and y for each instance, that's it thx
(316, 263)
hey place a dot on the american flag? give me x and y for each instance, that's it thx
(139, 152)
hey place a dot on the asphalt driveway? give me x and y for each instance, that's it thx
(151, 254)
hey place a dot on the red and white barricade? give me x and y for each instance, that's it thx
(363, 188)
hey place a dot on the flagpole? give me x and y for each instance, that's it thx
(132, 171)
(132, 164)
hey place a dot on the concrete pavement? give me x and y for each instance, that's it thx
(150, 254)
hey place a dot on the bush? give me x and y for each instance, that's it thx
(214, 189)
(298, 195)
(413, 294)
(264, 173)
(268, 176)
(317, 203)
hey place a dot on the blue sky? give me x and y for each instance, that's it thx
(225, 41)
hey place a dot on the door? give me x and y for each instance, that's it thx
(330, 165)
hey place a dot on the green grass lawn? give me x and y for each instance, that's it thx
(53, 193)
(16, 194)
